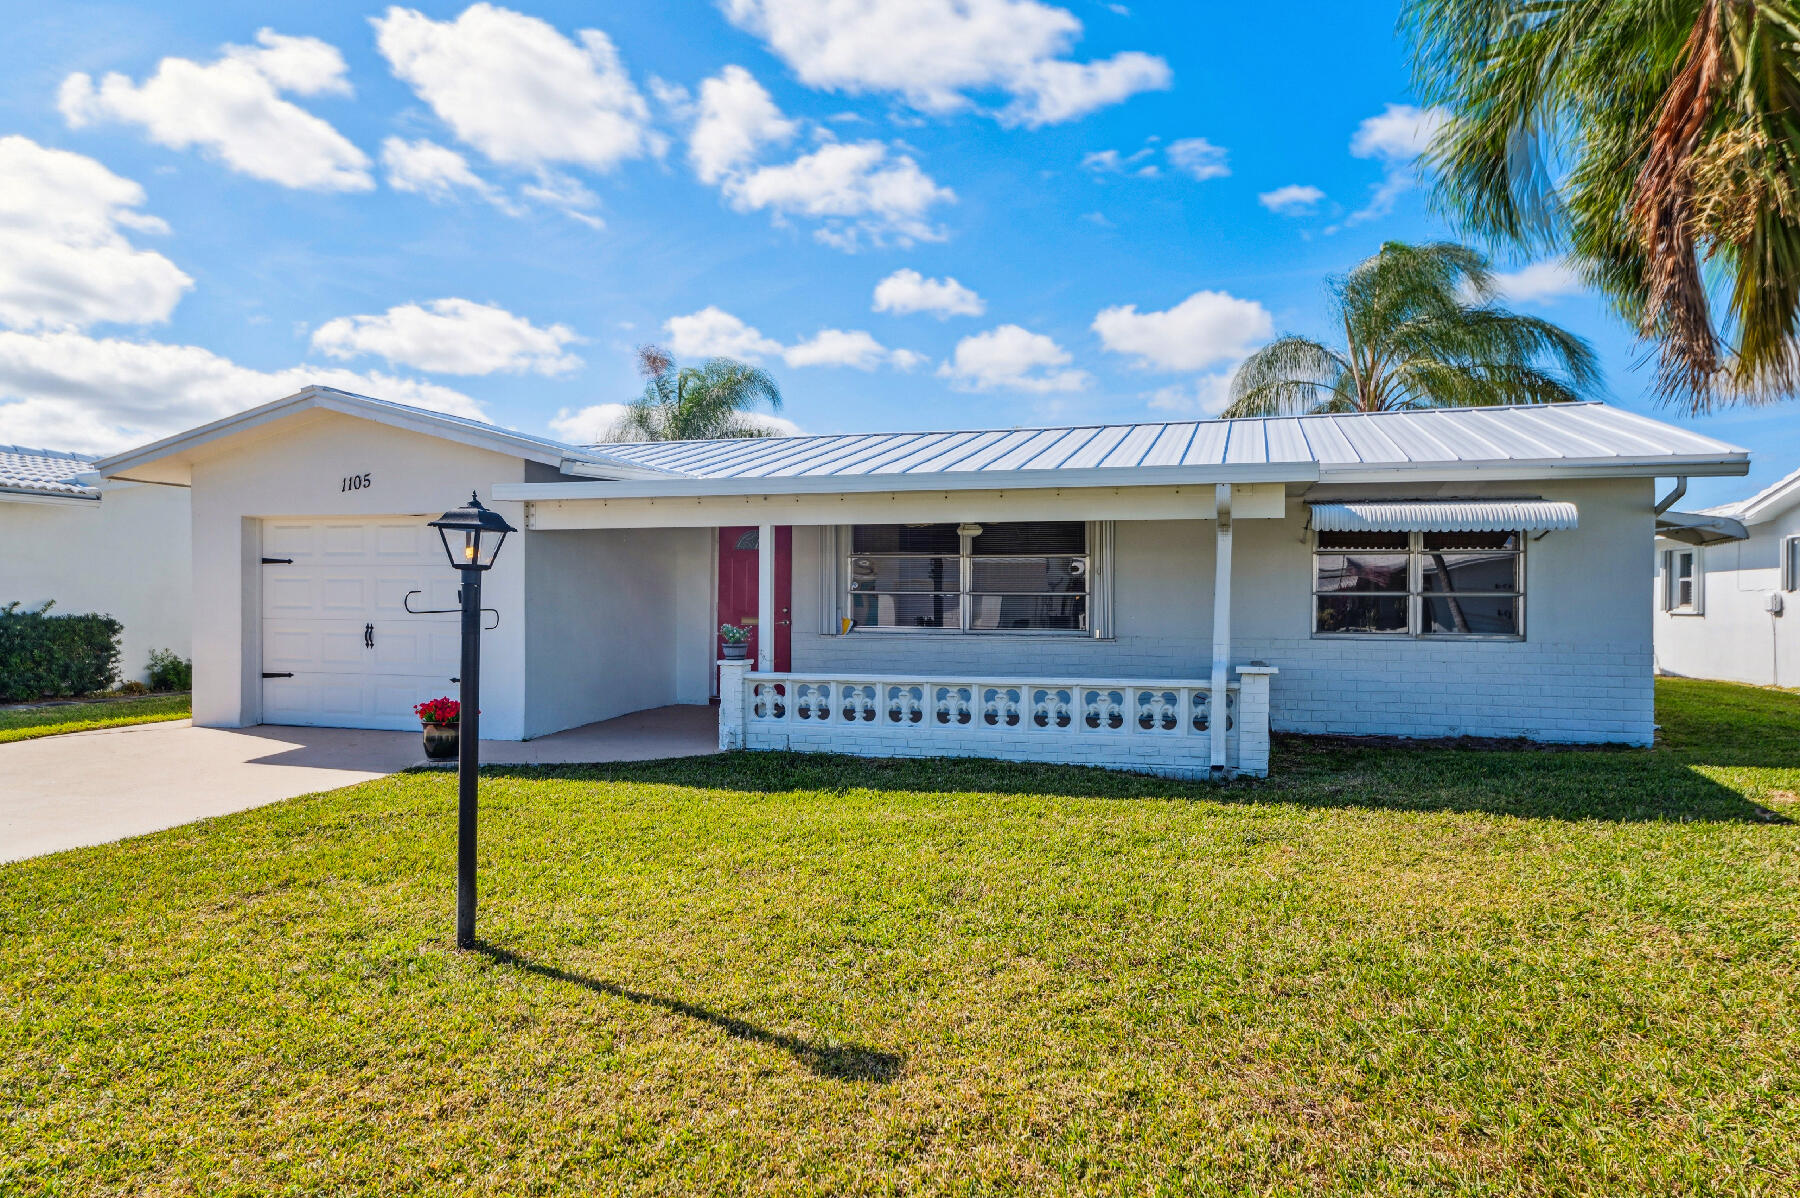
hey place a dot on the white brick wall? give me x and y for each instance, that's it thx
(1584, 673)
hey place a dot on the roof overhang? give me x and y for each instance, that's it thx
(63, 498)
(1445, 515)
(171, 459)
(1700, 528)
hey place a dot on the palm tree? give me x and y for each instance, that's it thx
(693, 403)
(1655, 142)
(1420, 330)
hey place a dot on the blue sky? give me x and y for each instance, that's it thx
(485, 208)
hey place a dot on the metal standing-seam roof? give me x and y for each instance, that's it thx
(1346, 444)
(43, 472)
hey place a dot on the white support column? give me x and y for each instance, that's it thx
(1221, 646)
(765, 597)
(734, 707)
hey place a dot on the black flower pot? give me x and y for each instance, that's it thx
(440, 742)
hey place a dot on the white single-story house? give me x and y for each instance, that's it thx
(1090, 594)
(94, 545)
(1726, 583)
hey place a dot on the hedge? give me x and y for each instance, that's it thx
(43, 656)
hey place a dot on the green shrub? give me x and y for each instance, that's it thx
(170, 672)
(131, 686)
(42, 655)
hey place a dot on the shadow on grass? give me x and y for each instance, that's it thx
(1516, 779)
(845, 1062)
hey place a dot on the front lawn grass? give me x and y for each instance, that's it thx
(1428, 971)
(27, 721)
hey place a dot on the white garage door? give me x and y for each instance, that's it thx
(338, 647)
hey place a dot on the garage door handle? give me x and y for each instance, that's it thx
(368, 636)
(278, 561)
(267, 674)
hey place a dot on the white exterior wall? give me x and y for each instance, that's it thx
(295, 468)
(1583, 673)
(127, 555)
(1735, 637)
(619, 621)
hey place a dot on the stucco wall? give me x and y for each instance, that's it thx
(1735, 637)
(126, 555)
(618, 621)
(296, 468)
(1583, 673)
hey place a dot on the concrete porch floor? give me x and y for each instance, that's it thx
(63, 792)
(679, 731)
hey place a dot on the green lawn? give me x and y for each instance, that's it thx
(1437, 971)
(27, 722)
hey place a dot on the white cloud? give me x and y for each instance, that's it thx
(519, 91)
(1208, 395)
(1009, 357)
(64, 260)
(451, 336)
(603, 421)
(934, 52)
(436, 172)
(847, 347)
(1296, 199)
(91, 395)
(1395, 137)
(907, 291)
(1399, 133)
(1205, 329)
(854, 188)
(232, 108)
(734, 118)
(1538, 283)
(1199, 158)
(713, 332)
(1112, 162)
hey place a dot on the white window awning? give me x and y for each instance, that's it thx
(1449, 515)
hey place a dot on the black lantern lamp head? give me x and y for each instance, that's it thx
(472, 535)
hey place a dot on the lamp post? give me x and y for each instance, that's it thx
(480, 534)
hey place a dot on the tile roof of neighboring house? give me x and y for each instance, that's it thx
(1766, 504)
(43, 472)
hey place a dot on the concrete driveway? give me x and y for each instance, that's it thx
(63, 792)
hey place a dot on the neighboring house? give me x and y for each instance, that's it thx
(91, 545)
(1728, 589)
(1084, 594)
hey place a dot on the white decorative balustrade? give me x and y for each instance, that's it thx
(1160, 726)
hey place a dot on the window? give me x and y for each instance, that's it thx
(1681, 581)
(1790, 564)
(1023, 577)
(1435, 584)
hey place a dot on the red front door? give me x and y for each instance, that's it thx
(737, 588)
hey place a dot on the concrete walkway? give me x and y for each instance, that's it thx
(63, 792)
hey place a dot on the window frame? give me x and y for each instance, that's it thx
(1415, 595)
(1696, 605)
(1096, 614)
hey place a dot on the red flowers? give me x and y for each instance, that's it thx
(439, 711)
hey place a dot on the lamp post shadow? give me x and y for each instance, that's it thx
(840, 1062)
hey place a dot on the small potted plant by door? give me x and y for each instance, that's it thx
(440, 718)
(734, 642)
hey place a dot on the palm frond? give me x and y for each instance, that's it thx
(1289, 375)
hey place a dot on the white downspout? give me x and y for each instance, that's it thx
(765, 596)
(1221, 646)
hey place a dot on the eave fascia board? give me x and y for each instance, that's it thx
(1519, 470)
(20, 495)
(971, 480)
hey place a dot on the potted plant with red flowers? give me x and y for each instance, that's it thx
(440, 718)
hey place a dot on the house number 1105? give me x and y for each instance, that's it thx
(354, 482)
